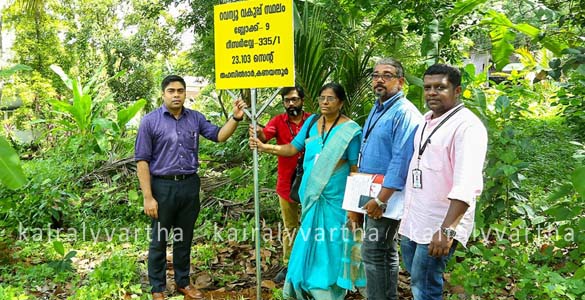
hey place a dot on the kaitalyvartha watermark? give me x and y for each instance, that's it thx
(223, 234)
(516, 234)
(91, 233)
(219, 233)
(275, 233)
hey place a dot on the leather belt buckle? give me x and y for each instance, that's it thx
(179, 177)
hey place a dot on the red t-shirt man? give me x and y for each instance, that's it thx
(284, 128)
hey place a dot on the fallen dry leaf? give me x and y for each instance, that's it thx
(203, 281)
(269, 284)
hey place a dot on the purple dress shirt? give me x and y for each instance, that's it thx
(171, 146)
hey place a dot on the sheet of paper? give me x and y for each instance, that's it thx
(358, 184)
(370, 185)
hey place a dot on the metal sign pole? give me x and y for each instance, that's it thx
(256, 202)
(254, 115)
(269, 65)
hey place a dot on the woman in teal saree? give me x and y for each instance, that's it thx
(331, 151)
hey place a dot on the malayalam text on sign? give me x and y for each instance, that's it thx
(254, 44)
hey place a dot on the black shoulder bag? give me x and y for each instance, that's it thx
(298, 175)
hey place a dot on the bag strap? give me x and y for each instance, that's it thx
(301, 157)
(313, 121)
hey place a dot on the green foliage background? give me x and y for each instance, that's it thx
(78, 171)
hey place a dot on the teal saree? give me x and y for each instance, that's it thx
(316, 256)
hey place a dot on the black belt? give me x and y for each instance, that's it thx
(174, 177)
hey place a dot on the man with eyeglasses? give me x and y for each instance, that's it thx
(284, 127)
(386, 149)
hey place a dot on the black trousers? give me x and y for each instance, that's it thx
(178, 208)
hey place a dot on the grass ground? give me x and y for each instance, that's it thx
(113, 264)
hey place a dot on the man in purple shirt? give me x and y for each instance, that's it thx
(167, 160)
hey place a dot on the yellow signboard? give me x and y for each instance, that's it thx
(254, 44)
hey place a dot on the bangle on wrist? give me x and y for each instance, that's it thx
(237, 119)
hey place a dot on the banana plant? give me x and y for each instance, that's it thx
(87, 115)
(11, 173)
(503, 33)
(438, 31)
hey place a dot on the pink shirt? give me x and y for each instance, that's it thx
(451, 167)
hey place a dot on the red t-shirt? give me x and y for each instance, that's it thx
(281, 128)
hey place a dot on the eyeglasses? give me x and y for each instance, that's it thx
(385, 77)
(328, 98)
(292, 99)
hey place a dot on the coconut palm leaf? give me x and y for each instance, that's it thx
(30, 6)
(311, 63)
(353, 72)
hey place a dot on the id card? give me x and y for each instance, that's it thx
(417, 178)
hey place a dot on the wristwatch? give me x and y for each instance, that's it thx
(448, 232)
(381, 204)
(237, 119)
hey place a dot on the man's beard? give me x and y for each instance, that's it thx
(380, 95)
(294, 111)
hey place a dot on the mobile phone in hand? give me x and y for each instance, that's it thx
(363, 200)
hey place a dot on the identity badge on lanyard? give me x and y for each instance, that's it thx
(370, 127)
(416, 172)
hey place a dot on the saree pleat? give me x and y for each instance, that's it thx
(316, 256)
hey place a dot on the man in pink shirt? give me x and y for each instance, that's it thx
(284, 127)
(443, 184)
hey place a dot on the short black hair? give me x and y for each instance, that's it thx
(453, 74)
(285, 90)
(337, 89)
(172, 78)
(388, 61)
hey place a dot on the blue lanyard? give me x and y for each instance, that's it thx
(370, 128)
